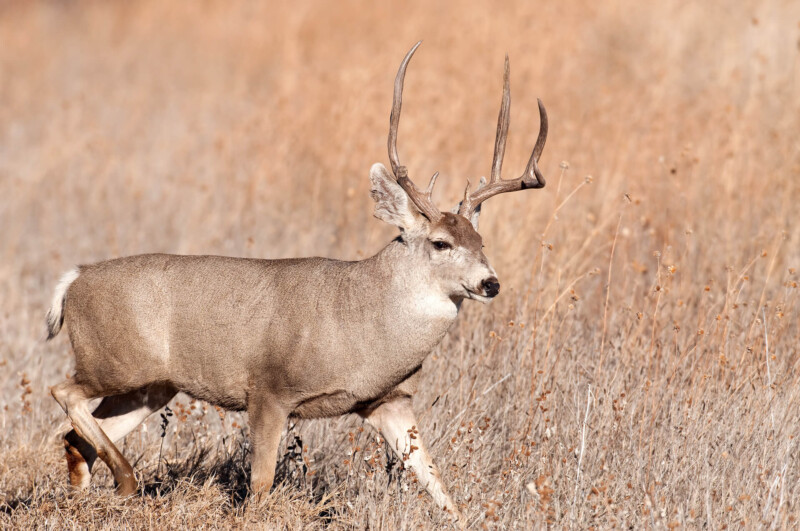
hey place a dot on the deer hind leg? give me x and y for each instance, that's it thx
(74, 399)
(117, 416)
(396, 422)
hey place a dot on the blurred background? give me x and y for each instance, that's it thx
(655, 272)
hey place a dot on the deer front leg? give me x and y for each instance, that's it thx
(266, 418)
(396, 422)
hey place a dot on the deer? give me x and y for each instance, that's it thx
(296, 338)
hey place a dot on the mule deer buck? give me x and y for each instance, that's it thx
(303, 337)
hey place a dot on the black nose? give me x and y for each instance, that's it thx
(491, 286)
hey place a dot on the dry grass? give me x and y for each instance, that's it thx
(640, 368)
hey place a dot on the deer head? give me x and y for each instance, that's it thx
(448, 243)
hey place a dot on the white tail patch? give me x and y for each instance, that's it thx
(55, 315)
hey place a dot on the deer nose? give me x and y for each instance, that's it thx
(491, 286)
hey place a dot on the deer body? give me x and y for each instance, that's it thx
(305, 337)
(313, 333)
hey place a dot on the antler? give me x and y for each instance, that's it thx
(531, 178)
(421, 200)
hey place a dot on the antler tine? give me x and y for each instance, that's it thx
(431, 184)
(397, 103)
(502, 126)
(531, 178)
(465, 208)
(422, 201)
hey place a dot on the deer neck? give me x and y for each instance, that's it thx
(412, 294)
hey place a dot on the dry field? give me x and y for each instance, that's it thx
(640, 368)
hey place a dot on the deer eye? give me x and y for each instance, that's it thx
(441, 246)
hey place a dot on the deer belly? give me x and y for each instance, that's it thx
(329, 404)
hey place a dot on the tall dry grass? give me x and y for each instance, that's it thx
(641, 366)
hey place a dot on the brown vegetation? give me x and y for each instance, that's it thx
(641, 365)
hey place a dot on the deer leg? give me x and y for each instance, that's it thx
(266, 419)
(74, 400)
(80, 458)
(117, 415)
(396, 422)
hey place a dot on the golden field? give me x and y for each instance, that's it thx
(640, 367)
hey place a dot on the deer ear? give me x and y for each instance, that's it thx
(475, 216)
(392, 204)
